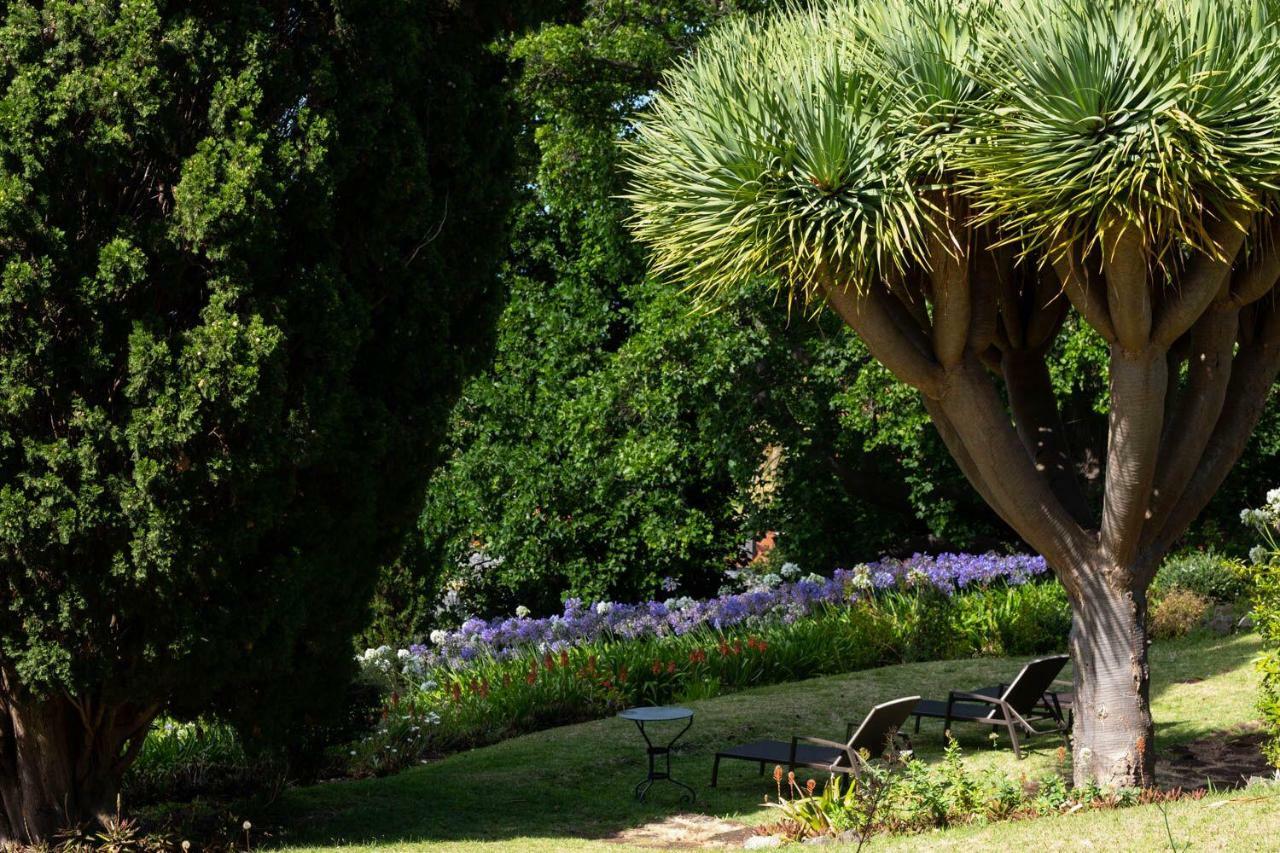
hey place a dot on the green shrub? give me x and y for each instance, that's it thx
(180, 761)
(1265, 575)
(904, 795)
(1176, 613)
(1208, 573)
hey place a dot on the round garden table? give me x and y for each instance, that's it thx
(660, 714)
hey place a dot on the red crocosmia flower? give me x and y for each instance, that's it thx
(549, 662)
(564, 659)
(737, 647)
(761, 646)
(671, 667)
(657, 667)
(395, 699)
(484, 689)
(724, 649)
(456, 691)
(622, 675)
(506, 679)
(607, 684)
(532, 676)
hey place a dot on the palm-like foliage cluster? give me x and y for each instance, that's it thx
(810, 145)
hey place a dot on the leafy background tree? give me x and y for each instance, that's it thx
(619, 438)
(248, 257)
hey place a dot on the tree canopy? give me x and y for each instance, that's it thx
(247, 257)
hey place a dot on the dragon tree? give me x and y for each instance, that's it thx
(955, 179)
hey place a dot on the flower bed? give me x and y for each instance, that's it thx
(491, 680)
(505, 638)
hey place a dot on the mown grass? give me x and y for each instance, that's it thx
(570, 788)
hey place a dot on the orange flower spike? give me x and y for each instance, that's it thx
(549, 662)
(777, 773)
(810, 786)
(671, 667)
(657, 667)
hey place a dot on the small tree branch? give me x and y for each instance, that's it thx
(868, 314)
(1202, 279)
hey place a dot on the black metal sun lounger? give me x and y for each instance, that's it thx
(1016, 707)
(873, 735)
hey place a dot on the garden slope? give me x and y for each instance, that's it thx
(570, 788)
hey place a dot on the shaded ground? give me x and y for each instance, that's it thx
(1221, 761)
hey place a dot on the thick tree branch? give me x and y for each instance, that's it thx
(1202, 279)
(949, 270)
(1126, 266)
(868, 314)
(1138, 384)
(947, 431)
(1257, 276)
(975, 411)
(1086, 292)
(1047, 311)
(1198, 407)
(984, 305)
(1252, 375)
(1039, 425)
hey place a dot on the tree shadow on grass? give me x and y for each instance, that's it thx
(576, 782)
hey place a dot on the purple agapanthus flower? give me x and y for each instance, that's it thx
(585, 622)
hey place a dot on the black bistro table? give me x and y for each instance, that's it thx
(660, 714)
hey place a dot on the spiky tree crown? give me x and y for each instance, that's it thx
(815, 142)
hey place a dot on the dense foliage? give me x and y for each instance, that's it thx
(247, 257)
(621, 438)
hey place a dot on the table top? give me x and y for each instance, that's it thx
(656, 714)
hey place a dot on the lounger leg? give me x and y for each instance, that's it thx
(761, 768)
(1013, 736)
(917, 724)
(715, 771)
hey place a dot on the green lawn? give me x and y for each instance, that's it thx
(570, 788)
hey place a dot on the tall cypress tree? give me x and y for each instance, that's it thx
(246, 260)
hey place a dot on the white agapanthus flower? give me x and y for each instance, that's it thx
(522, 612)
(790, 570)
(603, 607)
(861, 578)
(1258, 554)
(438, 636)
